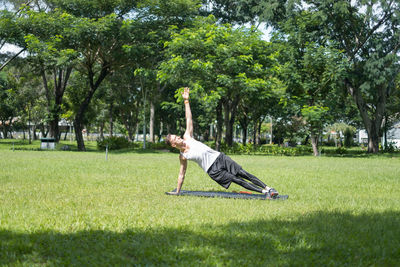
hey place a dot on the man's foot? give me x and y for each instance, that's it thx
(272, 193)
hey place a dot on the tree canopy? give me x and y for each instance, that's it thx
(119, 64)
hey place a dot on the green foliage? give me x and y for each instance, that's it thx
(315, 117)
(218, 60)
(113, 143)
(251, 149)
(11, 101)
(341, 150)
(227, 67)
(285, 151)
(390, 148)
(367, 33)
(93, 8)
(348, 137)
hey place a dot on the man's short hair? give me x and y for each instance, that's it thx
(168, 139)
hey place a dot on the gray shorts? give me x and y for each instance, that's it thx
(223, 170)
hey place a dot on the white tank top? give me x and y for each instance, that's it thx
(200, 153)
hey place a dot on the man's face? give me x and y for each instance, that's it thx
(176, 140)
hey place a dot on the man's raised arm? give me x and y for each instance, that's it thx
(188, 114)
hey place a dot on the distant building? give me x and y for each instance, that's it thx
(392, 136)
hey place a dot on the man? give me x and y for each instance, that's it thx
(219, 167)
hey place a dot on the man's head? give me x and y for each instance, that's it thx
(174, 141)
(168, 140)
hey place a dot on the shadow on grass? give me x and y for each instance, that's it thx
(318, 239)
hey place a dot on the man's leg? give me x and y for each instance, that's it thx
(246, 184)
(265, 189)
(248, 176)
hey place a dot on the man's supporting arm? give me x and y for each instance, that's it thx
(182, 172)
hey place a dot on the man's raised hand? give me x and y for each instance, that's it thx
(185, 93)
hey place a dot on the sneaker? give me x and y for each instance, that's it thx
(272, 193)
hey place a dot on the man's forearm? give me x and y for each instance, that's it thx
(182, 172)
(189, 120)
(180, 183)
(188, 112)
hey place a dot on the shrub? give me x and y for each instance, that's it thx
(348, 137)
(389, 148)
(340, 150)
(113, 142)
(162, 146)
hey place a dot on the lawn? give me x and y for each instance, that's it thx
(73, 208)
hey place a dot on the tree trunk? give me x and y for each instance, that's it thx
(161, 131)
(54, 130)
(314, 144)
(144, 127)
(4, 129)
(385, 143)
(244, 136)
(230, 108)
(29, 125)
(152, 118)
(228, 130)
(219, 126)
(111, 119)
(373, 139)
(270, 140)
(254, 134)
(206, 135)
(102, 131)
(244, 122)
(137, 131)
(259, 133)
(78, 133)
(131, 132)
(43, 130)
(34, 132)
(372, 125)
(61, 77)
(78, 121)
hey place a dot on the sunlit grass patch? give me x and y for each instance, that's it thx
(73, 208)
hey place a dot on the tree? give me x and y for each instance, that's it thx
(368, 33)
(220, 63)
(313, 69)
(100, 43)
(247, 11)
(10, 103)
(10, 32)
(28, 91)
(51, 57)
(151, 30)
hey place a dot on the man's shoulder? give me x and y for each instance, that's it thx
(187, 137)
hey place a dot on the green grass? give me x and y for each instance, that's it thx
(72, 208)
